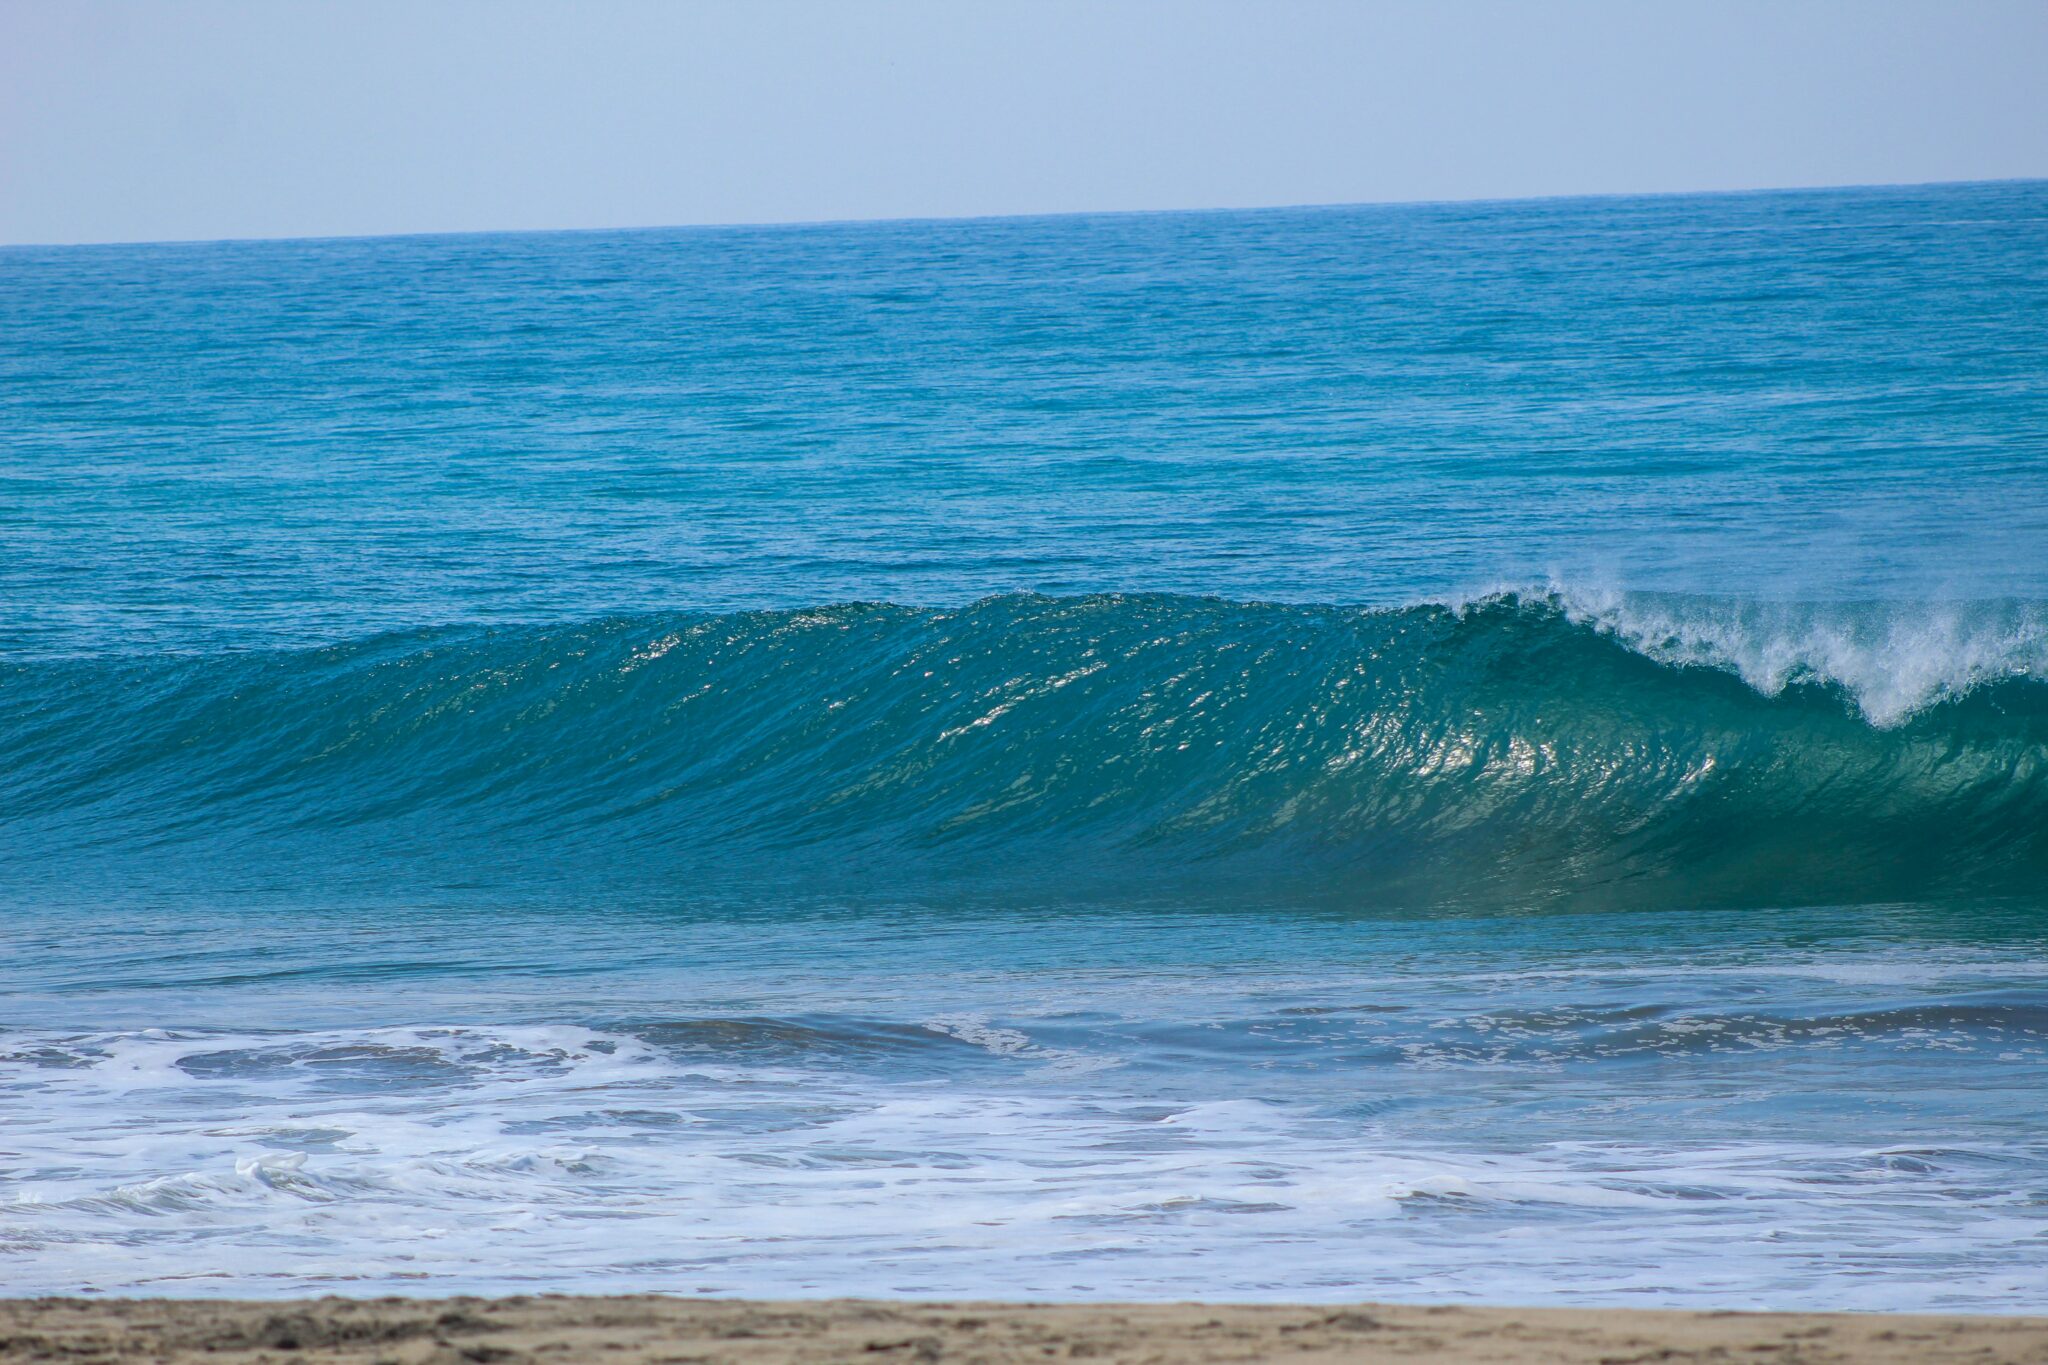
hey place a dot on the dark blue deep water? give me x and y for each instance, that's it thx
(1488, 751)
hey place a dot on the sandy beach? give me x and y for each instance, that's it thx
(629, 1330)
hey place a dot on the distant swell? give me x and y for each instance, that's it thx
(1519, 749)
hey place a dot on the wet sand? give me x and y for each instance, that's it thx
(637, 1330)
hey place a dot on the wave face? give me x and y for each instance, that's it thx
(401, 893)
(1530, 748)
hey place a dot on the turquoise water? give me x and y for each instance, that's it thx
(1484, 752)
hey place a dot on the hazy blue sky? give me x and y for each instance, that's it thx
(217, 118)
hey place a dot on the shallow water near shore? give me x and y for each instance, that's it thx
(1081, 1104)
(1454, 753)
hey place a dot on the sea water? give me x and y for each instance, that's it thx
(1460, 752)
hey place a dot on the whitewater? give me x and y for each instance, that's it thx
(1446, 752)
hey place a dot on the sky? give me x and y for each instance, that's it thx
(139, 120)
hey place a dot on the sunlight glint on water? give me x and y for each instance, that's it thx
(1490, 752)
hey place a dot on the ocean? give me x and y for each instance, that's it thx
(1471, 752)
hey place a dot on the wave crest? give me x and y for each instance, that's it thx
(1894, 660)
(1519, 747)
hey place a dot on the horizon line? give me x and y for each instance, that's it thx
(741, 225)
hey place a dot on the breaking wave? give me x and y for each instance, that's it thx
(1521, 747)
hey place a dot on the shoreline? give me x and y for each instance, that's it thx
(643, 1329)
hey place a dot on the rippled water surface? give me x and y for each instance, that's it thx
(1491, 752)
